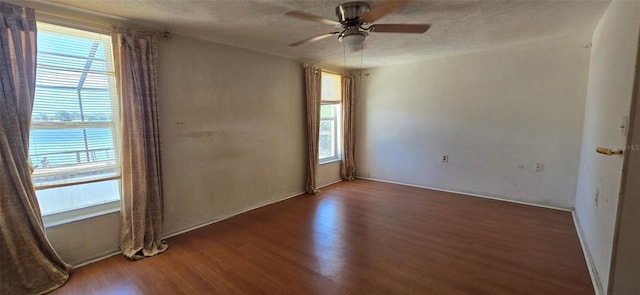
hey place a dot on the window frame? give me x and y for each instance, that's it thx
(98, 208)
(337, 134)
(336, 103)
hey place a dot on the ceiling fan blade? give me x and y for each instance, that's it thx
(400, 28)
(381, 10)
(313, 39)
(312, 17)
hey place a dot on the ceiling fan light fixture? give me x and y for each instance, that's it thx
(353, 38)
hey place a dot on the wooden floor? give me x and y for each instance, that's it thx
(361, 237)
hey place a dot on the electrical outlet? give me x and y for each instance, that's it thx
(539, 167)
(445, 159)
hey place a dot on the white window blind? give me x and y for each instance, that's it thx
(73, 137)
(331, 88)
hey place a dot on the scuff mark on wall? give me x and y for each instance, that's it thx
(197, 134)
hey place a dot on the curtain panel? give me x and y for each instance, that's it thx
(142, 198)
(29, 263)
(347, 166)
(312, 78)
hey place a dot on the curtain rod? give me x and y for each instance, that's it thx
(322, 69)
(164, 34)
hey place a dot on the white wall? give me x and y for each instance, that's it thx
(496, 114)
(609, 93)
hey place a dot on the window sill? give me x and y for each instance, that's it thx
(56, 219)
(329, 161)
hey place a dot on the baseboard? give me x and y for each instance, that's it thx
(585, 249)
(330, 183)
(470, 194)
(197, 226)
(108, 254)
(593, 273)
(99, 257)
(238, 213)
(165, 236)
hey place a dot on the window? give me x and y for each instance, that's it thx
(73, 138)
(331, 99)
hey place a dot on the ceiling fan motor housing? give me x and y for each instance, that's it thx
(350, 13)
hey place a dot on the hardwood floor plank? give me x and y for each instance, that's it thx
(361, 237)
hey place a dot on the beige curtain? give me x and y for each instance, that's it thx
(312, 78)
(347, 166)
(28, 263)
(142, 209)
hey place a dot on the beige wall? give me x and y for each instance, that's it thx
(232, 138)
(233, 134)
(84, 240)
(609, 93)
(328, 173)
(494, 113)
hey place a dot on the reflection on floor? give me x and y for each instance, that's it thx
(361, 237)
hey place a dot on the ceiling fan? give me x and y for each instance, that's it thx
(356, 20)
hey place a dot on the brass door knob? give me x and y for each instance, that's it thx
(608, 152)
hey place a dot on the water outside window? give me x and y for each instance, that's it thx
(73, 131)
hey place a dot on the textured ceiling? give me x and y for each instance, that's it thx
(457, 26)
